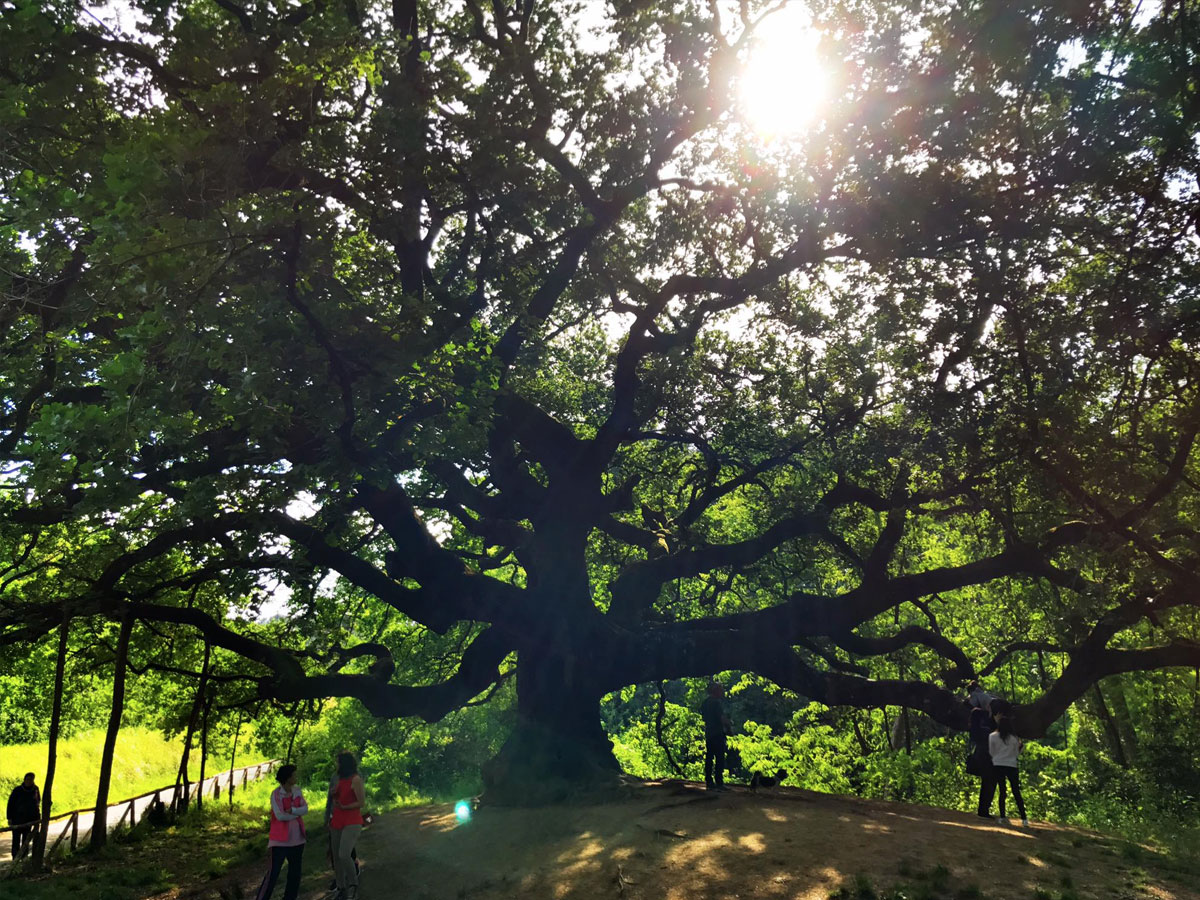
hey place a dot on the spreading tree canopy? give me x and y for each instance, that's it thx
(503, 316)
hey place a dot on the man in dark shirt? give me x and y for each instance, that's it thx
(24, 812)
(716, 727)
(979, 726)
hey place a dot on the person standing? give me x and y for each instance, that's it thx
(286, 837)
(1005, 747)
(346, 824)
(979, 760)
(333, 780)
(24, 814)
(977, 697)
(716, 731)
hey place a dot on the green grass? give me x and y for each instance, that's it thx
(861, 890)
(144, 760)
(932, 884)
(138, 863)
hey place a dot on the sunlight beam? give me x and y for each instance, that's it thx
(783, 84)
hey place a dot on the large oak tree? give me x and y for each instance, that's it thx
(500, 312)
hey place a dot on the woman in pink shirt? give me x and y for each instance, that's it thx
(286, 836)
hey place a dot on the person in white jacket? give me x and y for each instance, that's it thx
(286, 835)
(1005, 747)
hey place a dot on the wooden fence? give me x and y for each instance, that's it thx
(209, 785)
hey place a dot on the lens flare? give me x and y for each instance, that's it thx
(462, 811)
(783, 84)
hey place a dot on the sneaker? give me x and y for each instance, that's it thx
(1025, 823)
(1001, 820)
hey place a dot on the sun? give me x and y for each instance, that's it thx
(783, 84)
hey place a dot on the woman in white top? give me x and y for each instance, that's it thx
(1004, 747)
(286, 835)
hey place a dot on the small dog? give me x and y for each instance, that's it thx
(766, 781)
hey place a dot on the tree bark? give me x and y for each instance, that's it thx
(233, 753)
(100, 820)
(864, 746)
(60, 666)
(1123, 719)
(1110, 728)
(203, 750)
(287, 757)
(558, 750)
(182, 800)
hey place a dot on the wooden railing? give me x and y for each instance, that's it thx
(195, 790)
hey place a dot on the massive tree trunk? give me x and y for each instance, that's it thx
(558, 749)
(100, 822)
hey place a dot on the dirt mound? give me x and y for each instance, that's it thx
(678, 842)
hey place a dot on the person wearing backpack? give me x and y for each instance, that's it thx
(286, 835)
(1004, 747)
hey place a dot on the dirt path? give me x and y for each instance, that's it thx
(677, 842)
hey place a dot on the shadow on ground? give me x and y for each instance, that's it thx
(677, 842)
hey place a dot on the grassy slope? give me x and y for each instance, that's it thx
(219, 853)
(144, 760)
(200, 849)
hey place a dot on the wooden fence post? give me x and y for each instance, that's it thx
(62, 834)
(71, 823)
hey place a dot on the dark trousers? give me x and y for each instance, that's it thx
(987, 790)
(22, 840)
(280, 855)
(714, 760)
(1009, 774)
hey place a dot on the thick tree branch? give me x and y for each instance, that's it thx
(289, 683)
(963, 669)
